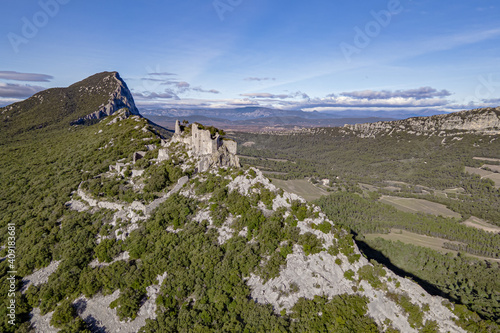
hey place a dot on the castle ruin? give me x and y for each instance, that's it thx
(211, 150)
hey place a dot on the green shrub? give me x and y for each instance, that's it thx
(349, 274)
(63, 314)
(310, 243)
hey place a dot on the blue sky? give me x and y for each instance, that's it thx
(316, 55)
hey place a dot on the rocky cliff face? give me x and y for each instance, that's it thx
(119, 98)
(479, 121)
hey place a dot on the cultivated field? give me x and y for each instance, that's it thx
(495, 177)
(421, 240)
(454, 190)
(477, 223)
(414, 239)
(263, 158)
(418, 205)
(300, 187)
(495, 168)
(477, 171)
(487, 159)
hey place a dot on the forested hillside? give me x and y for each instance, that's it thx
(117, 229)
(362, 163)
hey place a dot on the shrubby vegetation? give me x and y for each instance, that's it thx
(66, 319)
(372, 274)
(107, 250)
(160, 176)
(111, 189)
(343, 313)
(415, 314)
(40, 170)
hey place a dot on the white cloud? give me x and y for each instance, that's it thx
(33, 77)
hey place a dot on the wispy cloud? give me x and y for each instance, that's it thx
(260, 79)
(185, 87)
(176, 88)
(152, 79)
(492, 101)
(276, 96)
(167, 94)
(419, 93)
(162, 74)
(11, 90)
(264, 95)
(17, 76)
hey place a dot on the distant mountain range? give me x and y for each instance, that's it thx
(252, 118)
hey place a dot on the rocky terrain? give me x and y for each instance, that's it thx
(335, 268)
(120, 98)
(151, 233)
(479, 121)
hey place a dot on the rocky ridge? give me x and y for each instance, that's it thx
(480, 121)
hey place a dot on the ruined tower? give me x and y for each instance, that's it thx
(210, 151)
(177, 127)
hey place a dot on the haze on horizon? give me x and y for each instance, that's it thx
(324, 56)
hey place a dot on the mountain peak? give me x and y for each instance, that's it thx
(119, 98)
(86, 101)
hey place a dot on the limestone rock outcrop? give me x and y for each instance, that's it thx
(480, 121)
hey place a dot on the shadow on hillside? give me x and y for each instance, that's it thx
(371, 253)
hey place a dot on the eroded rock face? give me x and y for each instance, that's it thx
(480, 121)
